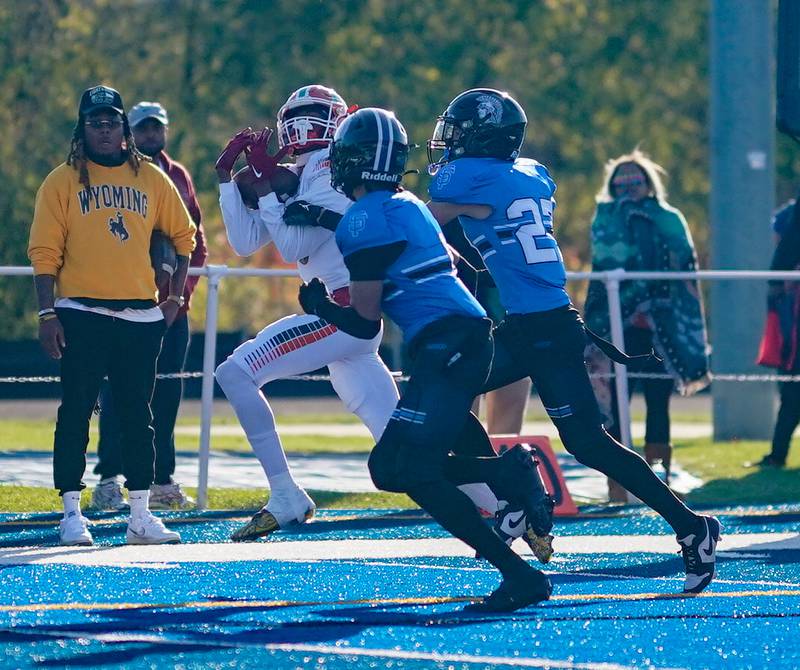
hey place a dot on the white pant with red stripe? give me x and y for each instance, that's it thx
(301, 343)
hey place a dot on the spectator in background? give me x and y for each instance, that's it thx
(149, 123)
(779, 345)
(635, 229)
(506, 406)
(89, 241)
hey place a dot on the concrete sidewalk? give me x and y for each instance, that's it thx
(698, 405)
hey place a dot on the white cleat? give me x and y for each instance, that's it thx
(74, 531)
(148, 529)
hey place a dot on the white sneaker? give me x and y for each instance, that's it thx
(107, 495)
(74, 531)
(148, 529)
(169, 496)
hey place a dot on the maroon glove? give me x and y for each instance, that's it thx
(261, 162)
(238, 143)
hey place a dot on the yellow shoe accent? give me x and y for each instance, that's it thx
(542, 547)
(261, 525)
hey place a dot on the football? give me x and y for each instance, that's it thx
(284, 182)
(244, 180)
(163, 258)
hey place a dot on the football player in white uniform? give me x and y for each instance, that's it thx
(301, 228)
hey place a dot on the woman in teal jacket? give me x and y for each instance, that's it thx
(635, 229)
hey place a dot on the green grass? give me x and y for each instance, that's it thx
(719, 465)
(40, 499)
(727, 481)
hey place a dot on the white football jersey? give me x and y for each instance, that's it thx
(311, 247)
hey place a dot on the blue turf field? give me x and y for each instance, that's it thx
(611, 608)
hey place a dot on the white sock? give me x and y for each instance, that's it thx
(255, 416)
(138, 501)
(72, 503)
(282, 482)
(481, 496)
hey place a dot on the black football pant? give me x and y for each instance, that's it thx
(126, 352)
(450, 360)
(164, 405)
(548, 347)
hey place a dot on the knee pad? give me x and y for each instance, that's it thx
(229, 374)
(398, 463)
(384, 468)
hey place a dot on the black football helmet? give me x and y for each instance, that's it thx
(370, 146)
(479, 123)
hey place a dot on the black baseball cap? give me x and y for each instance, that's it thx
(100, 97)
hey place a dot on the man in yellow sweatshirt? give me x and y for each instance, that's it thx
(89, 243)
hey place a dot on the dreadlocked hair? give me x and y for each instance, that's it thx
(78, 159)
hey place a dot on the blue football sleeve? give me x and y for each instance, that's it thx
(364, 228)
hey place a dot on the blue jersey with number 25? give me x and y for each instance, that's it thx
(516, 240)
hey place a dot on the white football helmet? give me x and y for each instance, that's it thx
(308, 119)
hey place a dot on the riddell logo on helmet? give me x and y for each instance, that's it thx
(379, 177)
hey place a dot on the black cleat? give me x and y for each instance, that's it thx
(699, 551)
(515, 593)
(521, 484)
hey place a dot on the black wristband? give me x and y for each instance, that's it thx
(329, 219)
(348, 320)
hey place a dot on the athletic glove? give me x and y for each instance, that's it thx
(238, 143)
(261, 162)
(302, 213)
(312, 295)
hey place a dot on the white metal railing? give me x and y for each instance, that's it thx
(611, 279)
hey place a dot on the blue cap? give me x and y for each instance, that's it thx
(147, 110)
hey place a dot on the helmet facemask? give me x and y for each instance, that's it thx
(444, 145)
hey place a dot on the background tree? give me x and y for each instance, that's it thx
(596, 80)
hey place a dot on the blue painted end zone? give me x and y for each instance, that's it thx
(615, 607)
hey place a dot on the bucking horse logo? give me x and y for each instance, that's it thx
(117, 227)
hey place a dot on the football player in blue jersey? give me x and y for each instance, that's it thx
(399, 263)
(505, 205)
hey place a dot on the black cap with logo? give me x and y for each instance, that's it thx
(100, 97)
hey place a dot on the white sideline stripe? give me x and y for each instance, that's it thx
(489, 661)
(320, 550)
(325, 649)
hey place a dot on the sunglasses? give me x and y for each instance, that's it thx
(628, 181)
(97, 124)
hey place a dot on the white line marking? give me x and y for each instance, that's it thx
(320, 550)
